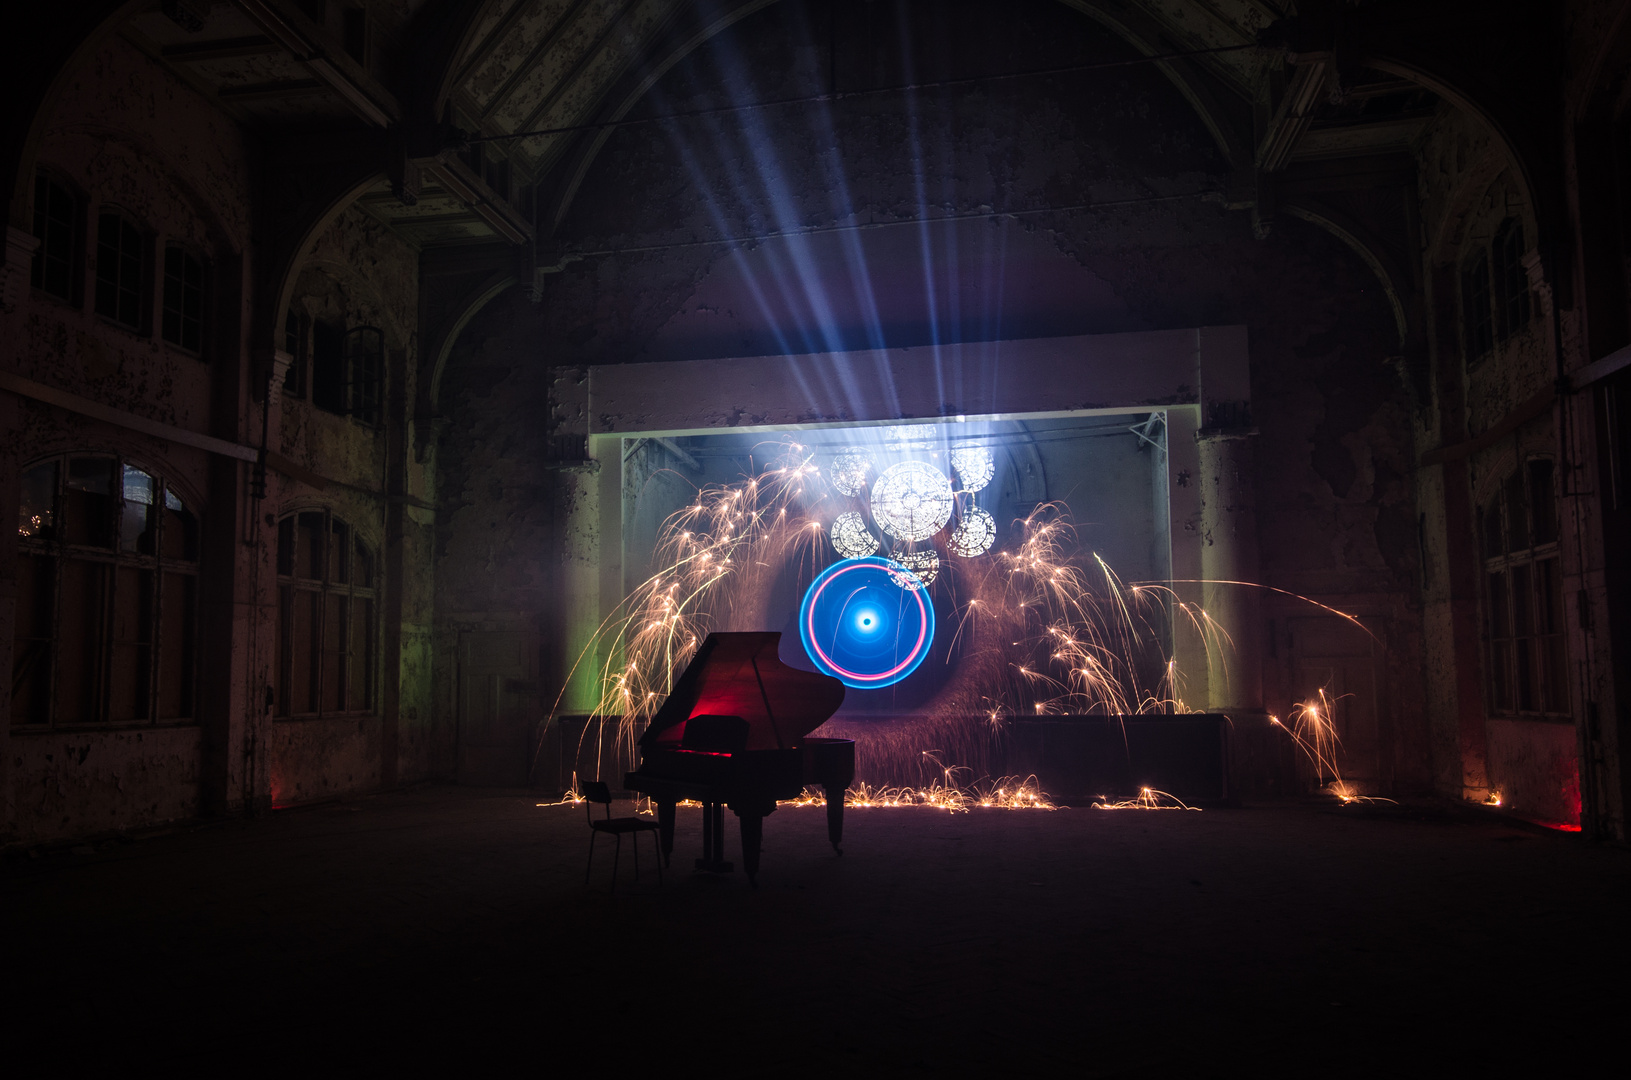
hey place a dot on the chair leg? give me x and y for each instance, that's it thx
(591, 865)
(634, 845)
(656, 845)
(617, 853)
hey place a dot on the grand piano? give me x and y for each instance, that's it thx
(735, 732)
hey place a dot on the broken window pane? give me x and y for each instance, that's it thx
(180, 530)
(37, 506)
(137, 521)
(88, 496)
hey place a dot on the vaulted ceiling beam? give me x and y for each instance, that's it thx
(1294, 111)
(524, 69)
(340, 73)
(583, 61)
(463, 184)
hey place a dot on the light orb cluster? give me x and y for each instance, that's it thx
(912, 501)
(851, 538)
(974, 466)
(974, 535)
(919, 569)
(849, 469)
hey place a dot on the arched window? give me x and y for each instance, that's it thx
(1477, 337)
(1523, 595)
(296, 330)
(183, 322)
(107, 595)
(364, 352)
(348, 370)
(56, 268)
(121, 261)
(1511, 279)
(326, 617)
(1494, 292)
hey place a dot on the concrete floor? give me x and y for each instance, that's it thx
(441, 923)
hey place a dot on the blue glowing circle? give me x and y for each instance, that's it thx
(858, 626)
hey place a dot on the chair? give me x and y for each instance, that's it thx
(596, 791)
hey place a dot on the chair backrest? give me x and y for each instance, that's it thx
(596, 791)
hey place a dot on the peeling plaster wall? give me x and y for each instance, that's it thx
(1336, 504)
(318, 759)
(127, 135)
(1467, 189)
(357, 273)
(79, 783)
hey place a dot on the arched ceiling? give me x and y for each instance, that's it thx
(526, 65)
(495, 69)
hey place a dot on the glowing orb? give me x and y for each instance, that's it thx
(974, 535)
(851, 538)
(974, 466)
(849, 469)
(919, 568)
(860, 627)
(911, 501)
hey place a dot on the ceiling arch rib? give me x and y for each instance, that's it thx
(527, 65)
(534, 64)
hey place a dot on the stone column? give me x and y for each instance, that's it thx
(568, 630)
(1229, 554)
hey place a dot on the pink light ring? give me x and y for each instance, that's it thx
(922, 631)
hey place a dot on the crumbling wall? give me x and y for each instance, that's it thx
(357, 273)
(1468, 189)
(128, 136)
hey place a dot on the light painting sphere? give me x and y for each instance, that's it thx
(862, 628)
(850, 537)
(912, 501)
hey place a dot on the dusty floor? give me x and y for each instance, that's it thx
(445, 923)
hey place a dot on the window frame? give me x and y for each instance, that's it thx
(141, 291)
(1495, 297)
(1523, 632)
(59, 551)
(297, 343)
(202, 288)
(1477, 315)
(1513, 308)
(365, 373)
(320, 593)
(45, 182)
(348, 371)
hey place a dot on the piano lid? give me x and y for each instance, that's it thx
(740, 674)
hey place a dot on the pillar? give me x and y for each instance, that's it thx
(1229, 554)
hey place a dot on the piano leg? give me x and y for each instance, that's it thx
(665, 827)
(835, 815)
(753, 832)
(713, 840)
